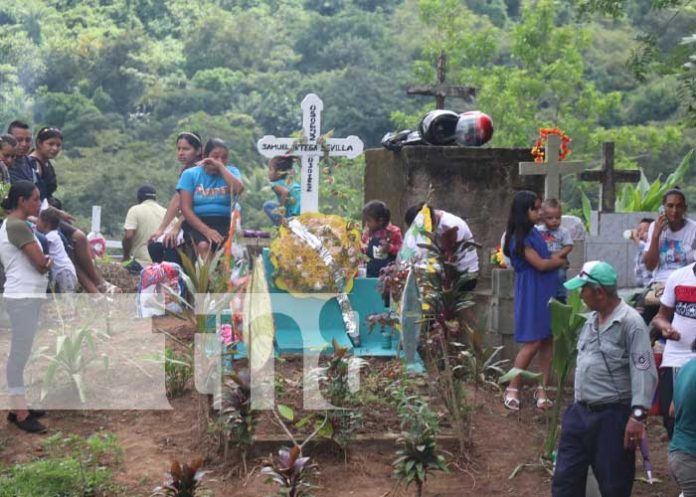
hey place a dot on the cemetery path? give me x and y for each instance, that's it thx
(151, 439)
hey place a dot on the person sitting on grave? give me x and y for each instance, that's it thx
(557, 239)
(63, 271)
(8, 147)
(20, 168)
(142, 220)
(639, 236)
(381, 240)
(49, 143)
(165, 240)
(536, 282)
(468, 261)
(206, 198)
(671, 246)
(287, 190)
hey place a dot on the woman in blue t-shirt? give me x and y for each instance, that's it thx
(205, 193)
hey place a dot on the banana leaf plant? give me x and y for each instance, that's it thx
(566, 323)
(646, 196)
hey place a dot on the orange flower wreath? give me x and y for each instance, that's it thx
(538, 150)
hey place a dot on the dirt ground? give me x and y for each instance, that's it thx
(150, 439)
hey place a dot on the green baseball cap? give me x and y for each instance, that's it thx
(597, 272)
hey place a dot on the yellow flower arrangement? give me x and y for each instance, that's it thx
(300, 268)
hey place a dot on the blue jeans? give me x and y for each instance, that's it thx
(594, 437)
(270, 208)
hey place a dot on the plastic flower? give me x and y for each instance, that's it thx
(538, 150)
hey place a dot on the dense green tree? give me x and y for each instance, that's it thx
(122, 77)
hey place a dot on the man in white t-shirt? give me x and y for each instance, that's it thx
(676, 320)
(671, 238)
(442, 221)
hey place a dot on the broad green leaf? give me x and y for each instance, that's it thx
(527, 375)
(286, 412)
(77, 378)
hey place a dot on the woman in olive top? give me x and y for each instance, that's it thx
(26, 268)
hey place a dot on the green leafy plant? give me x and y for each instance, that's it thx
(482, 363)
(178, 371)
(74, 352)
(566, 322)
(182, 480)
(343, 421)
(418, 456)
(238, 419)
(646, 196)
(445, 297)
(73, 466)
(50, 477)
(291, 469)
(204, 279)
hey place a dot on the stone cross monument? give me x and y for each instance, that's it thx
(552, 168)
(311, 148)
(441, 90)
(608, 177)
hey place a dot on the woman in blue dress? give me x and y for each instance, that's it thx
(535, 285)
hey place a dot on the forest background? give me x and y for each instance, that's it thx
(122, 77)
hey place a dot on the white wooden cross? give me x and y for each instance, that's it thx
(552, 167)
(310, 151)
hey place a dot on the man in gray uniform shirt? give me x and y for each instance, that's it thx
(615, 379)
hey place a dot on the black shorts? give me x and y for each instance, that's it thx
(221, 224)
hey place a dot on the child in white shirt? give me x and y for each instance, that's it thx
(63, 271)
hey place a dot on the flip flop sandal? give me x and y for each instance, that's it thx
(511, 401)
(544, 402)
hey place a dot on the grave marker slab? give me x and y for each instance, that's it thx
(310, 150)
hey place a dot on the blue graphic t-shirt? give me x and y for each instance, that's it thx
(211, 195)
(676, 249)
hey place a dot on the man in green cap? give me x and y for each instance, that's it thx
(615, 379)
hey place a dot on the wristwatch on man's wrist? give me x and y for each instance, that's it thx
(639, 414)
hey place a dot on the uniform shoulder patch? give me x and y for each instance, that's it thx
(642, 362)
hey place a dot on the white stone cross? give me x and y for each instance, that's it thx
(310, 150)
(552, 167)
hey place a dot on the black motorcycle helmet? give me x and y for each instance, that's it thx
(439, 127)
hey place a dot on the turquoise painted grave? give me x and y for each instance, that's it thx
(310, 324)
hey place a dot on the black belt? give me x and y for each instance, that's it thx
(602, 407)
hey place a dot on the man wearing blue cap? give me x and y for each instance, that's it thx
(615, 379)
